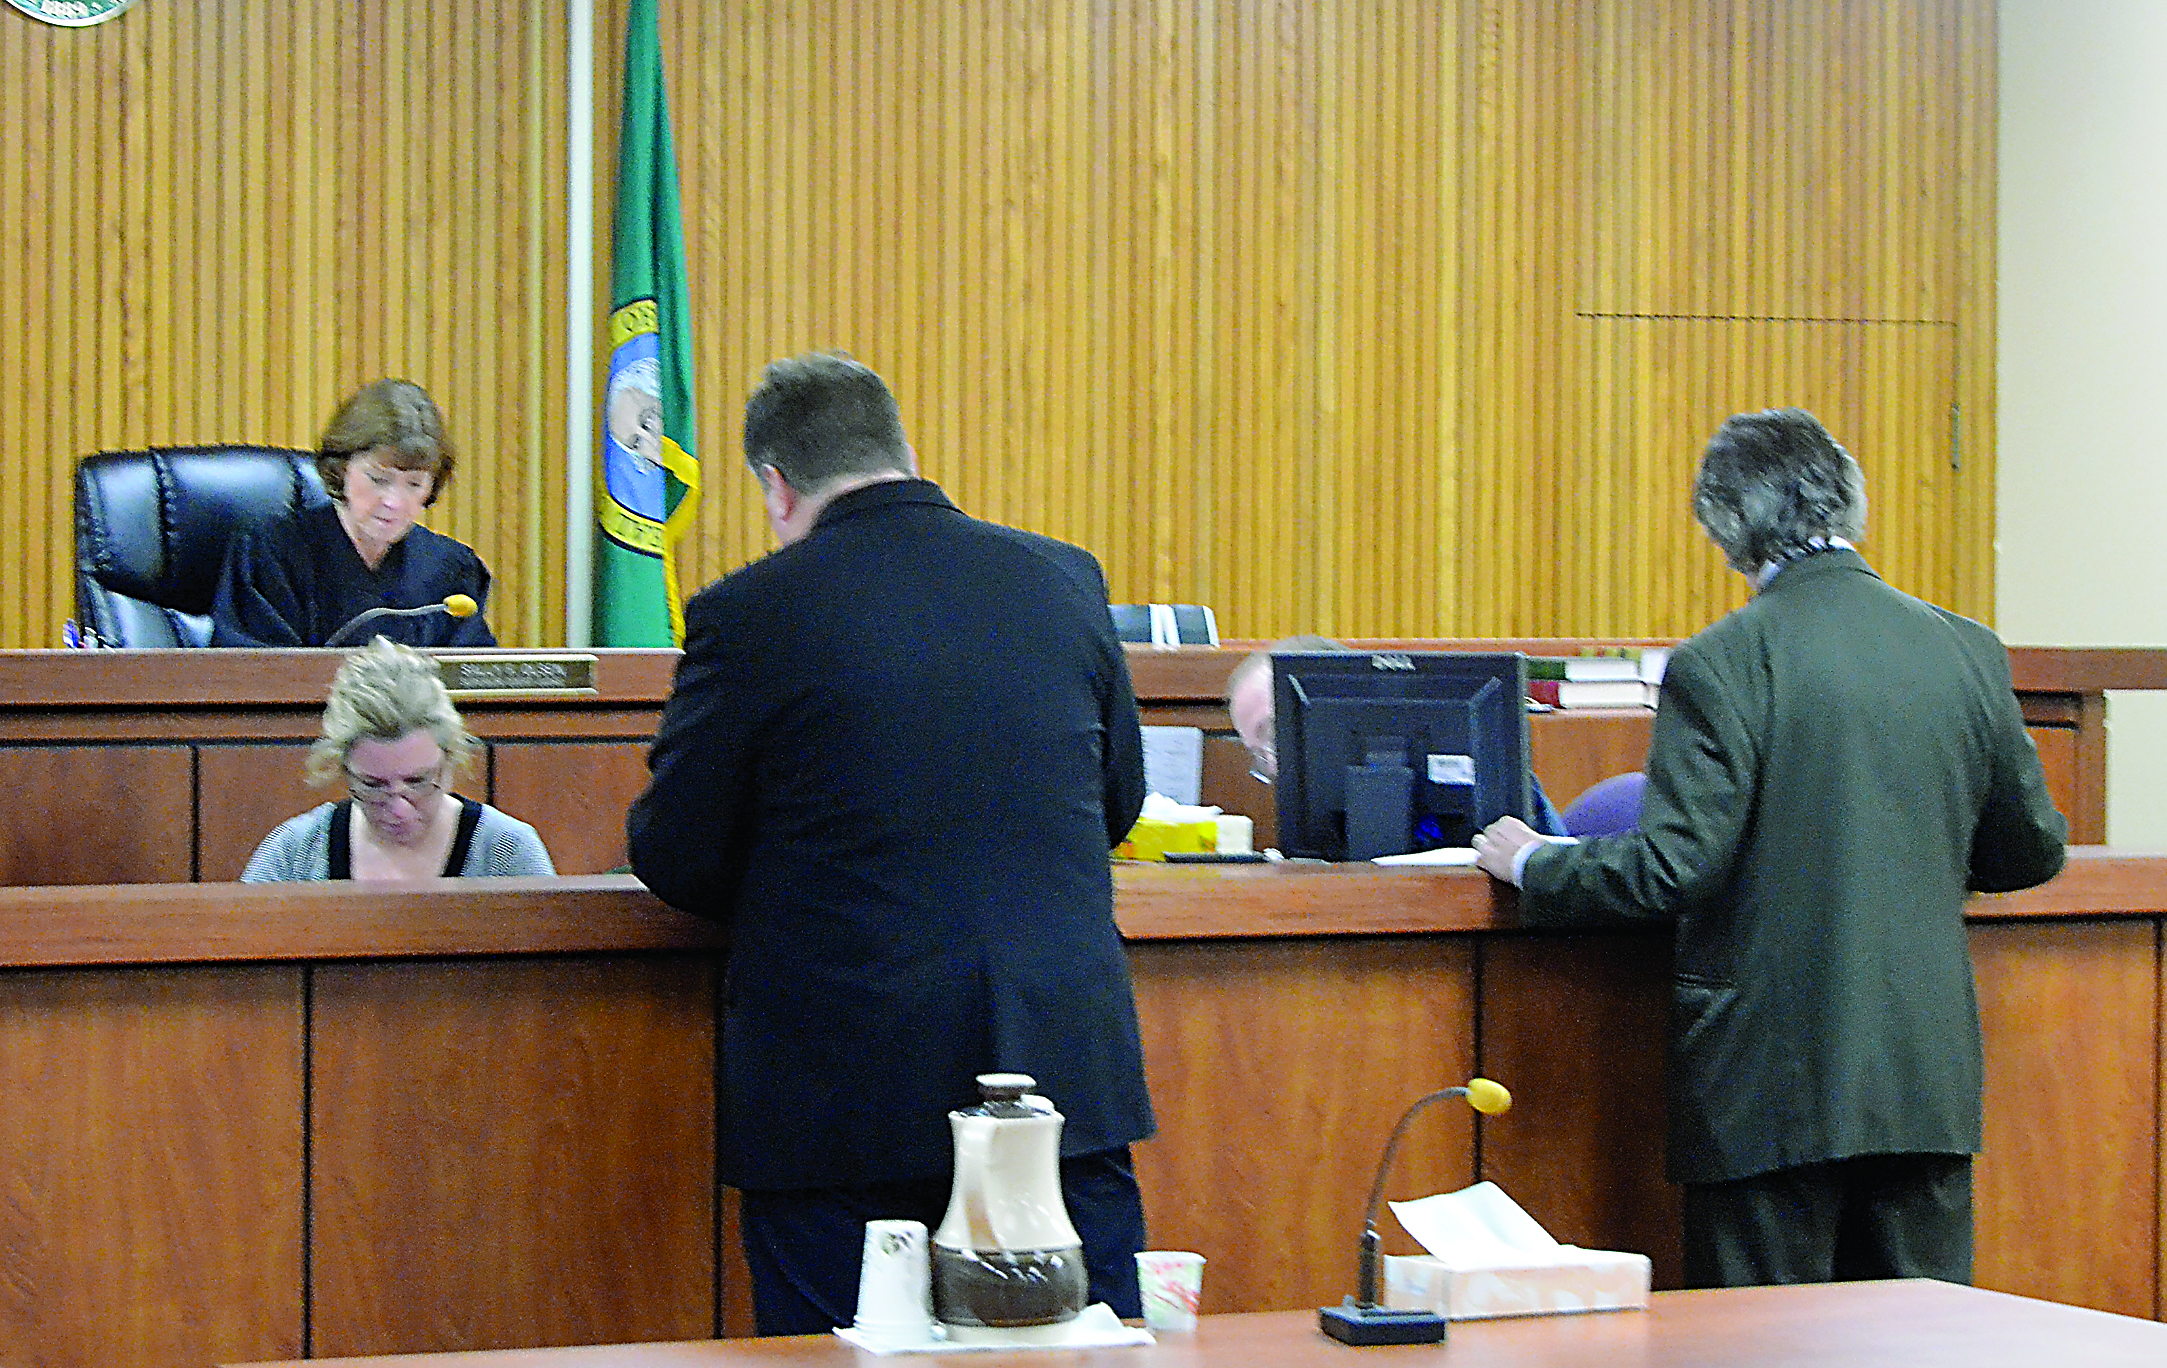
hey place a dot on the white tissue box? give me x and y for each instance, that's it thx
(1576, 1280)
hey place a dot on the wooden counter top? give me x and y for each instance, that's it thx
(1179, 902)
(605, 913)
(231, 678)
(184, 681)
(1853, 1325)
(223, 922)
(1194, 902)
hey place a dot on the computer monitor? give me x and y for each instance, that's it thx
(1389, 752)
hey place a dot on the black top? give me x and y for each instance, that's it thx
(294, 579)
(340, 855)
(894, 760)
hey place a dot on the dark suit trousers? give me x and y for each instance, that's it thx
(804, 1247)
(1875, 1216)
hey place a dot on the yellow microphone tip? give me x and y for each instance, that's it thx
(1487, 1097)
(461, 605)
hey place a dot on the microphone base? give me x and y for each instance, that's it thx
(1353, 1323)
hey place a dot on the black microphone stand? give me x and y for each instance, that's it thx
(1362, 1318)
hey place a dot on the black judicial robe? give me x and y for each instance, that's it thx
(294, 578)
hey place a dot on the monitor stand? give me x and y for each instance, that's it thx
(1380, 810)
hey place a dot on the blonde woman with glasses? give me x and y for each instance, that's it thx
(391, 735)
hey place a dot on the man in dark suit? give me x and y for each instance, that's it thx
(896, 755)
(1833, 766)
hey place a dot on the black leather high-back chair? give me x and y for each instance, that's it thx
(1165, 624)
(151, 529)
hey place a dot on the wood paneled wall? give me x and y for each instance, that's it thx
(1376, 317)
(224, 215)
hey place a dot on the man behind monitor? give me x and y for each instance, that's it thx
(1249, 705)
(1833, 766)
(895, 758)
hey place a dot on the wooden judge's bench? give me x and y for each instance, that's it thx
(169, 766)
(311, 1120)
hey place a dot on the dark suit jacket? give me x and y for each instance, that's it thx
(1833, 766)
(894, 761)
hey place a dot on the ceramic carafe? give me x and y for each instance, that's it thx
(1006, 1253)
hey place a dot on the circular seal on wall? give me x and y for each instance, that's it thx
(72, 13)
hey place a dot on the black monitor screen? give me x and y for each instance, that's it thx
(1384, 753)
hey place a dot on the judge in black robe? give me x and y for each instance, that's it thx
(294, 578)
(297, 577)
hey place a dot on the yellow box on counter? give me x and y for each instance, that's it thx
(1576, 1280)
(1151, 839)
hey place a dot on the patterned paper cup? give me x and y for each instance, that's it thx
(1171, 1281)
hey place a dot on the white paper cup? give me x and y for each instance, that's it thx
(1172, 1281)
(895, 1286)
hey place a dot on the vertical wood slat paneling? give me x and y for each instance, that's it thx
(1372, 318)
(1804, 129)
(1972, 116)
(16, 592)
(228, 216)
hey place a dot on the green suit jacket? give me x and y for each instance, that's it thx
(1833, 766)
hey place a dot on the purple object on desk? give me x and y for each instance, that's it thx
(1606, 808)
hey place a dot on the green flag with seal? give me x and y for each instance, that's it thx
(650, 476)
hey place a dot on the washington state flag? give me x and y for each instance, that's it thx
(650, 476)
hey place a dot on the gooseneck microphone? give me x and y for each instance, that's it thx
(1362, 1318)
(456, 605)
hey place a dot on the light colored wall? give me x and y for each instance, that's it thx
(2083, 357)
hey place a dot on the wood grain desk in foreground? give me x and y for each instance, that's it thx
(1855, 1325)
(250, 1123)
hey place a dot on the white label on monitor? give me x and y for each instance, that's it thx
(1452, 769)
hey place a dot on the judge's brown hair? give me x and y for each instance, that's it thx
(396, 421)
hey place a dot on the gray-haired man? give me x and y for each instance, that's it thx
(1834, 765)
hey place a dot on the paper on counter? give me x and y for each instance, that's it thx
(1478, 1227)
(1455, 855)
(1443, 855)
(1174, 763)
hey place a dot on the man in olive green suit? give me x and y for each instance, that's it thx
(1833, 766)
